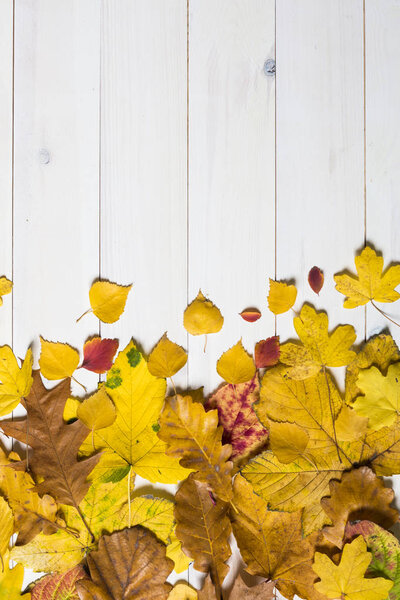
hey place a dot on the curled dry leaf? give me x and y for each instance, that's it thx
(128, 564)
(5, 287)
(316, 279)
(57, 360)
(98, 354)
(250, 315)
(371, 283)
(359, 495)
(202, 316)
(59, 586)
(193, 436)
(108, 300)
(281, 296)
(266, 352)
(167, 358)
(204, 529)
(16, 382)
(242, 429)
(236, 365)
(346, 580)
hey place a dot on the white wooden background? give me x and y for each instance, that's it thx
(151, 142)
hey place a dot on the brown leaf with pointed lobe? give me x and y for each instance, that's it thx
(59, 586)
(266, 352)
(263, 590)
(129, 565)
(242, 429)
(359, 495)
(316, 279)
(204, 528)
(44, 429)
(271, 543)
(207, 592)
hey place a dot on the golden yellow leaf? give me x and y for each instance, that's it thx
(236, 365)
(57, 360)
(6, 526)
(5, 287)
(70, 409)
(97, 411)
(16, 382)
(287, 441)
(175, 552)
(281, 296)
(156, 514)
(132, 439)
(167, 358)
(346, 580)
(320, 349)
(11, 581)
(108, 300)
(350, 426)
(381, 400)
(193, 435)
(370, 284)
(182, 591)
(202, 316)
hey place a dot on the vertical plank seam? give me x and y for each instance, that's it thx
(187, 194)
(276, 170)
(365, 148)
(13, 187)
(100, 148)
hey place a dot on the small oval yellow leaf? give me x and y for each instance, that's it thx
(167, 358)
(57, 360)
(182, 591)
(108, 300)
(202, 316)
(281, 296)
(97, 411)
(236, 365)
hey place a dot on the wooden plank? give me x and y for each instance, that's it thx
(231, 171)
(143, 167)
(6, 128)
(56, 171)
(320, 165)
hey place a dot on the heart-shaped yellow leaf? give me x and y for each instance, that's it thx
(57, 360)
(236, 365)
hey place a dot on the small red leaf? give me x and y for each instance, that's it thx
(316, 279)
(250, 315)
(98, 354)
(266, 353)
(59, 586)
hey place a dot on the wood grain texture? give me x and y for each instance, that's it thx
(56, 171)
(320, 165)
(231, 171)
(6, 154)
(143, 166)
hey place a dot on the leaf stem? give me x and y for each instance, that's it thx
(79, 383)
(84, 522)
(173, 385)
(129, 496)
(205, 342)
(384, 314)
(85, 313)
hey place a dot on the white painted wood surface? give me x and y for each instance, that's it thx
(154, 145)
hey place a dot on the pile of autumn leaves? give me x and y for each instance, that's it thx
(276, 455)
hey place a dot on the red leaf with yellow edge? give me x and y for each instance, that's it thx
(98, 354)
(59, 586)
(266, 353)
(316, 279)
(242, 429)
(250, 315)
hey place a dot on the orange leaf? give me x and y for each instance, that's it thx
(250, 315)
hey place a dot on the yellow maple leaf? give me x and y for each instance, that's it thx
(346, 580)
(371, 284)
(174, 552)
(57, 360)
(16, 382)
(5, 287)
(97, 410)
(11, 581)
(320, 349)
(236, 365)
(202, 316)
(167, 358)
(107, 300)
(132, 439)
(381, 400)
(281, 296)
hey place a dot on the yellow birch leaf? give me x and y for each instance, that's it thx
(370, 284)
(132, 439)
(167, 358)
(350, 426)
(175, 552)
(320, 349)
(16, 382)
(236, 365)
(287, 441)
(70, 409)
(182, 591)
(346, 580)
(97, 411)
(5, 287)
(281, 296)
(57, 360)
(381, 400)
(11, 581)
(108, 300)
(202, 316)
